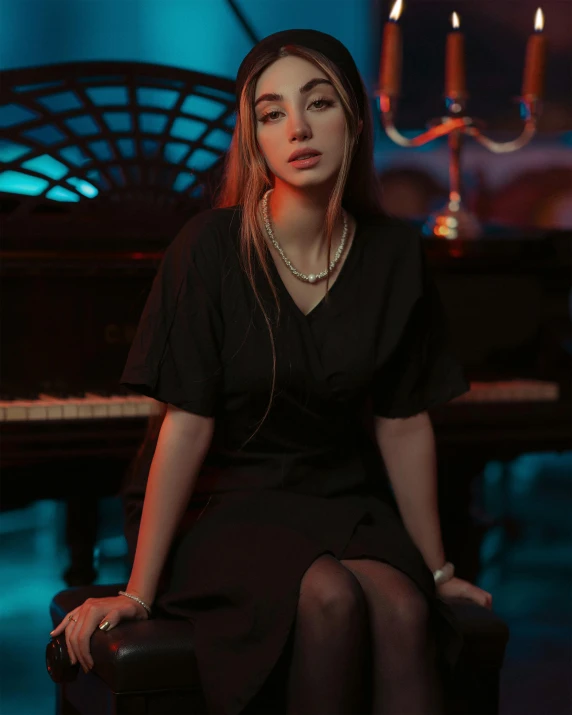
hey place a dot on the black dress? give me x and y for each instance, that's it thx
(311, 481)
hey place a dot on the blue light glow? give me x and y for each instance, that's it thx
(61, 102)
(86, 189)
(108, 96)
(202, 107)
(126, 147)
(46, 165)
(201, 160)
(14, 182)
(152, 123)
(102, 150)
(118, 121)
(96, 176)
(84, 125)
(58, 193)
(75, 155)
(175, 151)
(218, 140)
(183, 181)
(153, 97)
(12, 114)
(10, 151)
(189, 129)
(46, 135)
(150, 147)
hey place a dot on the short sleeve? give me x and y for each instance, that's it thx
(175, 354)
(421, 370)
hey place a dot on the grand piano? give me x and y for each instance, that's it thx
(105, 162)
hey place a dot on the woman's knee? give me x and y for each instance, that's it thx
(411, 612)
(393, 598)
(406, 613)
(329, 588)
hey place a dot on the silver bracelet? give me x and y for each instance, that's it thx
(444, 574)
(136, 598)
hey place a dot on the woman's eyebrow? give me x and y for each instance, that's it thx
(308, 87)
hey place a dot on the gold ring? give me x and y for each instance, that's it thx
(71, 618)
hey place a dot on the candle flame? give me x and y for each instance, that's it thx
(396, 10)
(455, 21)
(539, 20)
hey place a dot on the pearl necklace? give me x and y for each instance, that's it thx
(311, 278)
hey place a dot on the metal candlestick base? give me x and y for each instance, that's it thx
(452, 221)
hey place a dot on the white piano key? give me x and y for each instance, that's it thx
(130, 409)
(115, 410)
(37, 412)
(70, 411)
(55, 412)
(100, 410)
(18, 412)
(84, 410)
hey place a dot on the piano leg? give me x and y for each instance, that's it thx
(81, 534)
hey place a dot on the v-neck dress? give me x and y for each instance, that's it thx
(275, 494)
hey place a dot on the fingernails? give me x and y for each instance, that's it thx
(105, 626)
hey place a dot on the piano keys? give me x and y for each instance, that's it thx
(80, 407)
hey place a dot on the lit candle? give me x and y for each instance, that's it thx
(455, 61)
(390, 65)
(533, 78)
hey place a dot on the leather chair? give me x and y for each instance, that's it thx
(150, 667)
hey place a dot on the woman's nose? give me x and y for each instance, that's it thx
(299, 129)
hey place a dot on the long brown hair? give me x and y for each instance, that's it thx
(247, 177)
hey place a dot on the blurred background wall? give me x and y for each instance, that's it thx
(212, 36)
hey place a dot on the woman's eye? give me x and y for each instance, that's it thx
(325, 103)
(269, 116)
(266, 117)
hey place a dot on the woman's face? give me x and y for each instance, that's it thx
(297, 108)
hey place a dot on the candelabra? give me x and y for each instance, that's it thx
(455, 220)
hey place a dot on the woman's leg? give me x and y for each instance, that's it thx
(405, 671)
(331, 643)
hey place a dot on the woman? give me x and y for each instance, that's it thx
(296, 428)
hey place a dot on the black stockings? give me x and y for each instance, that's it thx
(330, 643)
(362, 622)
(406, 679)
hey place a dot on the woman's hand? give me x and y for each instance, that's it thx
(90, 615)
(457, 588)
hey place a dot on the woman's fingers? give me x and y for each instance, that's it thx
(92, 617)
(65, 621)
(68, 633)
(483, 598)
(78, 632)
(80, 624)
(88, 619)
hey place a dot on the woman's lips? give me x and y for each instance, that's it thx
(306, 163)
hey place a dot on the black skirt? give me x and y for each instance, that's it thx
(235, 573)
